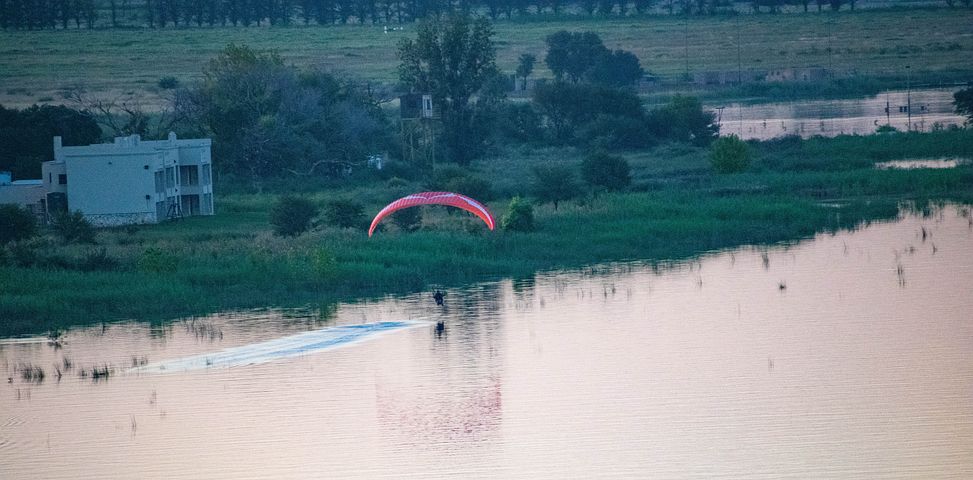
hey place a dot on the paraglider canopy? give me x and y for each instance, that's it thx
(435, 198)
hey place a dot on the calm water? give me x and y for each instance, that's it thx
(931, 108)
(844, 356)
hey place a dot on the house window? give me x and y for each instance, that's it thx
(188, 176)
(62, 179)
(190, 204)
(206, 175)
(160, 181)
(160, 211)
(170, 177)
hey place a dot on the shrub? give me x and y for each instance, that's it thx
(729, 155)
(156, 260)
(292, 216)
(615, 132)
(72, 227)
(344, 213)
(168, 82)
(553, 183)
(684, 120)
(519, 216)
(408, 219)
(15, 224)
(606, 171)
(98, 260)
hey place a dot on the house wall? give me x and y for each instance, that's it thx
(114, 189)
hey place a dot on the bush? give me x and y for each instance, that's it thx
(520, 122)
(72, 227)
(684, 120)
(168, 82)
(553, 183)
(408, 219)
(729, 155)
(292, 216)
(345, 213)
(614, 133)
(98, 260)
(156, 260)
(606, 171)
(15, 224)
(519, 216)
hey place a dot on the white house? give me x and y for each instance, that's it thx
(128, 181)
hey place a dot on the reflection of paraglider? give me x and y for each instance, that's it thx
(435, 198)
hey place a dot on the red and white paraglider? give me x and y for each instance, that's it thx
(435, 198)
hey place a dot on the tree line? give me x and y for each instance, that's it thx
(63, 14)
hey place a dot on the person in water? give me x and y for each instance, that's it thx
(438, 296)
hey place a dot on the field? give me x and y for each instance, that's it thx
(875, 44)
(676, 208)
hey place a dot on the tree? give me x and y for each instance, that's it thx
(729, 155)
(554, 183)
(606, 171)
(571, 54)
(581, 56)
(683, 119)
(269, 120)
(453, 59)
(525, 66)
(569, 107)
(963, 101)
(344, 213)
(292, 216)
(16, 223)
(26, 136)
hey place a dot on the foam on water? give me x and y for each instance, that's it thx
(279, 348)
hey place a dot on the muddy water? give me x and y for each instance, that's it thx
(842, 356)
(931, 109)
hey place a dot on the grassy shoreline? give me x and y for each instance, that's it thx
(677, 208)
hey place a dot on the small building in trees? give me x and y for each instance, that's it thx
(128, 181)
(25, 193)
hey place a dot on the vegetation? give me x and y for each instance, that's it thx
(581, 56)
(344, 213)
(289, 121)
(292, 216)
(519, 216)
(963, 100)
(675, 207)
(72, 227)
(729, 155)
(605, 171)
(25, 136)
(16, 223)
(453, 60)
(865, 49)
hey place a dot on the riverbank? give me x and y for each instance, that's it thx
(676, 208)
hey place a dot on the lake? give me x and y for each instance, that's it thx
(931, 108)
(847, 355)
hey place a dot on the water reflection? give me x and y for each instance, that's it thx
(931, 109)
(846, 356)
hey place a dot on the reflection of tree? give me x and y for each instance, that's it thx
(451, 391)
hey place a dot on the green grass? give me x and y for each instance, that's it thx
(870, 43)
(676, 208)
